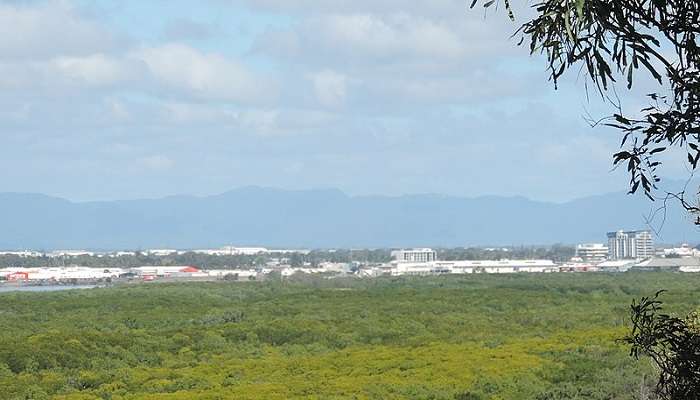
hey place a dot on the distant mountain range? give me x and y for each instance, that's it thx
(321, 219)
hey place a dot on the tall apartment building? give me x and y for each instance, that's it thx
(630, 244)
(414, 255)
(592, 252)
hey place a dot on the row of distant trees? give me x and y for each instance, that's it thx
(313, 258)
(557, 253)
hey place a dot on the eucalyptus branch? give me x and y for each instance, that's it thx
(616, 39)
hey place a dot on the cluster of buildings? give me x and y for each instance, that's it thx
(226, 251)
(75, 274)
(60, 274)
(401, 266)
(589, 258)
(622, 245)
(635, 250)
(625, 250)
(223, 251)
(630, 245)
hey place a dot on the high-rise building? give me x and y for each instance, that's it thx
(644, 244)
(414, 255)
(592, 252)
(630, 244)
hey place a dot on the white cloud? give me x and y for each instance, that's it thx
(396, 57)
(261, 122)
(286, 122)
(156, 163)
(207, 76)
(330, 88)
(336, 86)
(393, 36)
(173, 71)
(57, 75)
(178, 113)
(47, 30)
(96, 69)
(184, 29)
(419, 7)
(365, 39)
(117, 110)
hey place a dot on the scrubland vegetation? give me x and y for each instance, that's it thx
(473, 337)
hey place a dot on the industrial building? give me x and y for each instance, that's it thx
(682, 264)
(60, 273)
(467, 267)
(169, 271)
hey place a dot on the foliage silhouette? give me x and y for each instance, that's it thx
(672, 343)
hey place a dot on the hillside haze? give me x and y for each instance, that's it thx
(321, 218)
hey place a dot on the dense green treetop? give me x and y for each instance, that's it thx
(477, 337)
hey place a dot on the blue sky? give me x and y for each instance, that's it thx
(131, 99)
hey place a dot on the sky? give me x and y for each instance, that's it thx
(130, 99)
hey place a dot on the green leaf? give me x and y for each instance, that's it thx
(651, 69)
(579, 8)
(567, 25)
(510, 10)
(634, 188)
(629, 77)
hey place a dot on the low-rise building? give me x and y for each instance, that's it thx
(616, 265)
(592, 252)
(168, 271)
(22, 253)
(504, 266)
(414, 255)
(685, 250)
(70, 253)
(422, 269)
(398, 268)
(61, 273)
(683, 264)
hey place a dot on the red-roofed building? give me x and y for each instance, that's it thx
(18, 276)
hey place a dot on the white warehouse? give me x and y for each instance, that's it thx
(473, 267)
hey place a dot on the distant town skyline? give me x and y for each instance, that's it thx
(132, 99)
